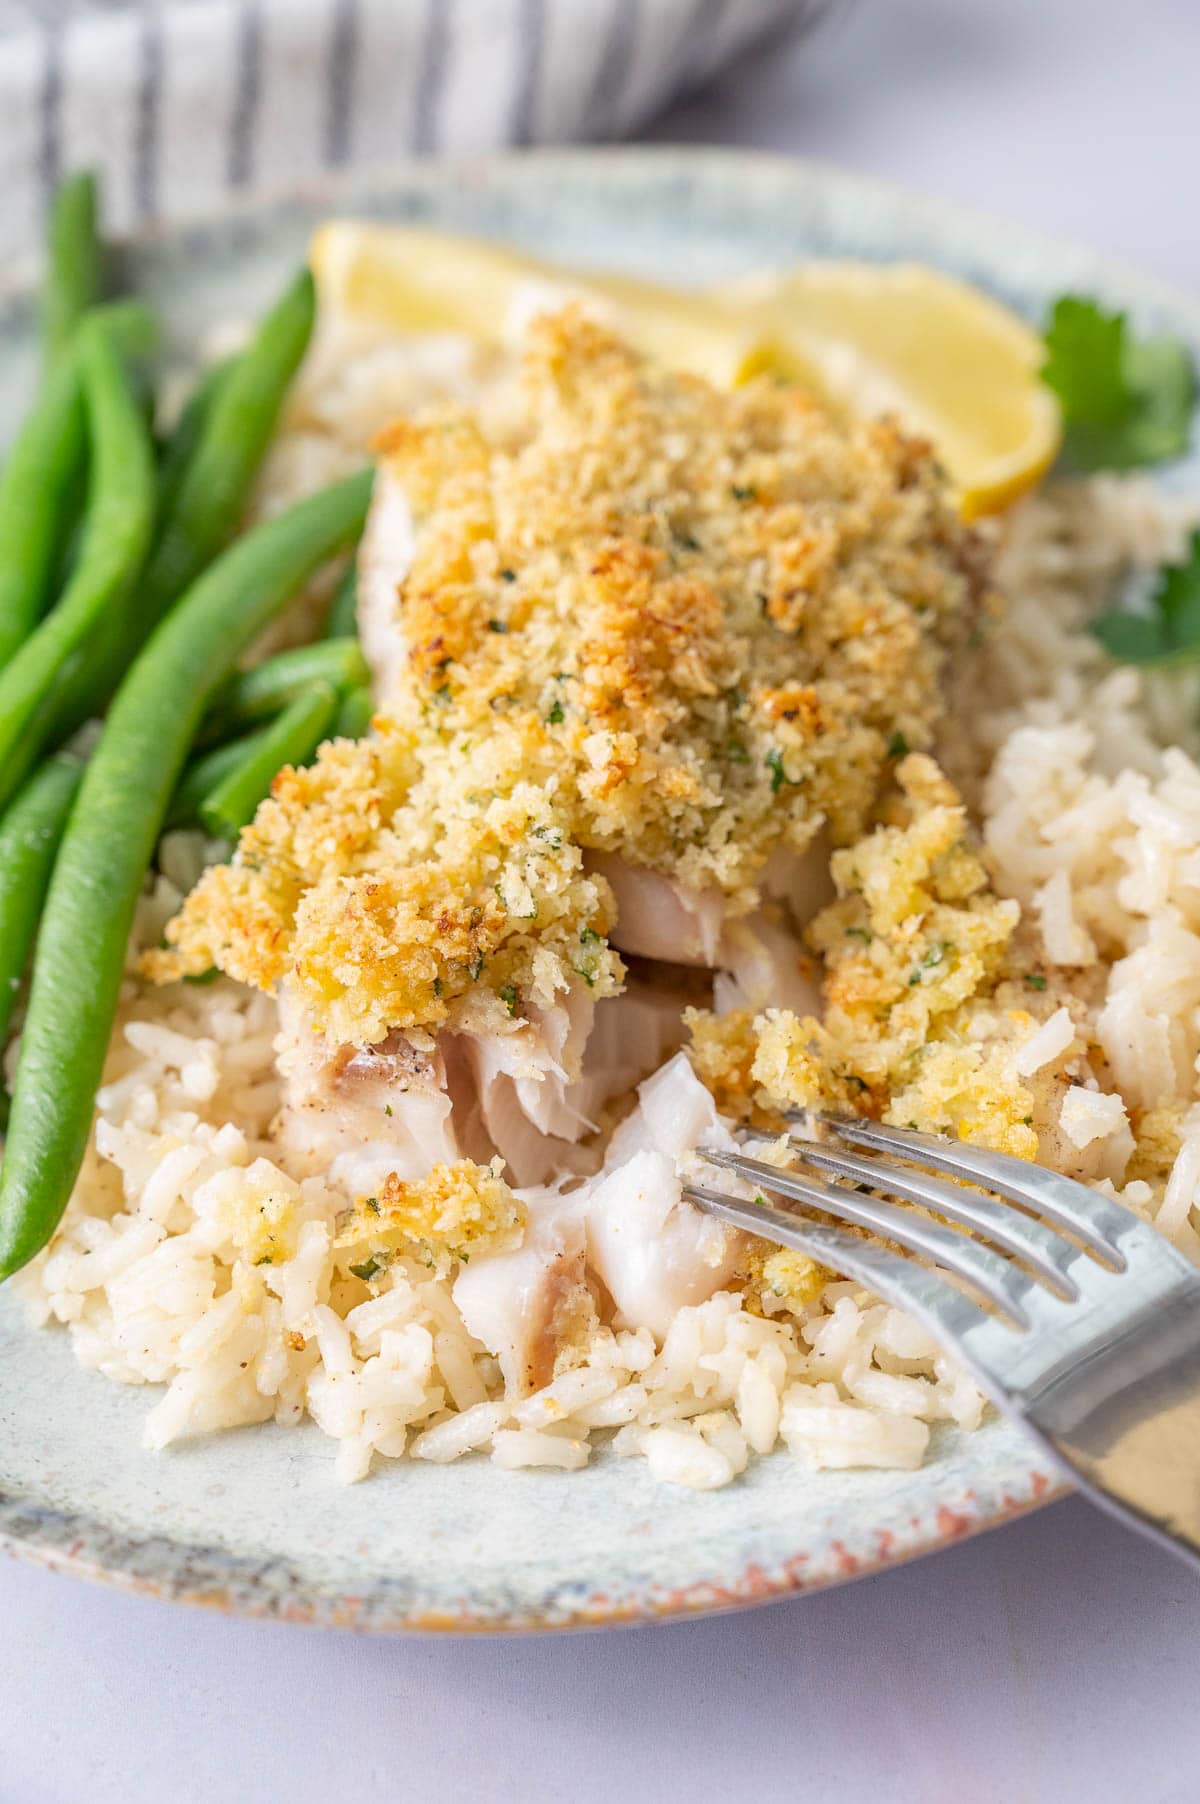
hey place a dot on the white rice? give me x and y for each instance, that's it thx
(147, 1276)
(1086, 820)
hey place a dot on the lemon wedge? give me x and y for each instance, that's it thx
(421, 281)
(948, 361)
(900, 338)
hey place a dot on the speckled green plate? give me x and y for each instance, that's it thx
(253, 1520)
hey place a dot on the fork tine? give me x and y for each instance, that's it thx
(1046, 1252)
(1001, 1283)
(1096, 1220)
(940, 1306)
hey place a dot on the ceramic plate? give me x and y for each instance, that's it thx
(252, 1520)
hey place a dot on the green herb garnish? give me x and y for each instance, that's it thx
(934, 956)
(1169, 632)
(779, 776)
(367, 1270)
(1125, 401)
(508, 996)
(556, 716)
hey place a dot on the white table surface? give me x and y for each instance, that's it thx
(1053, 1660)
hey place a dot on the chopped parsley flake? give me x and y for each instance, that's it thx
(556, 715)
(897, 746)
(1034, 982)
(508, 996)
(367, 1270)
(934, 956)
(497, 626)
(779, 775)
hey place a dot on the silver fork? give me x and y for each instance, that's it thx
(1083, 1325)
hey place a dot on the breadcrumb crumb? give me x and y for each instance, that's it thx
(914, 951)
(441, 1219)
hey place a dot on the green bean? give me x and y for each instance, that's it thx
(207, 509)
(257, 694)
(355, 713)
(208, 503)
(342, 619)
(74, 262)
(118, 525)
(204, 773)
(291, 739)
(29, 834)
(110, 840)
(187, 433)
(42, 484)
(37, 487)
(131, 326)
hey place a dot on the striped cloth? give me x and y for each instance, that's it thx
(179, 102)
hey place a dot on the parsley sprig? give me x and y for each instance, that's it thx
(1126, 401)
(1168, 632)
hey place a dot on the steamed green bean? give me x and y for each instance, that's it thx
(257, 694)
(118, 525)
(290, 739)
(207, 505)
(110, 840)
(74, 272)
(30, 830)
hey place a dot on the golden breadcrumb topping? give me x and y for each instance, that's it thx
(679, 624)
(259, 1214)
(441, 1219)
(918, 1029)
(456, 897)
(1158, 1137)
(776, 1279)
(724, 606)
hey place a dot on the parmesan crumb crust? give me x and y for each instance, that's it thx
(441, 1219)
(919, 1027)
(687, 626)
